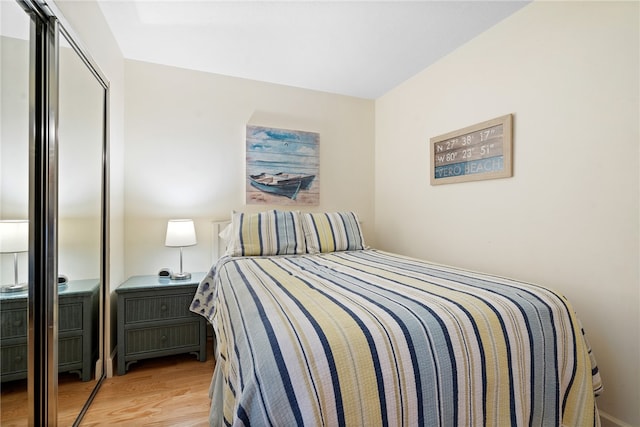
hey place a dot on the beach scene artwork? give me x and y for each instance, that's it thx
(283, 167)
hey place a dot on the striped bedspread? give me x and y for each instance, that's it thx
(368, 338)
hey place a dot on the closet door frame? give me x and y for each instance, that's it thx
(42, 336)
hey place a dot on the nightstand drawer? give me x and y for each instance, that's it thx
(70, 317)
(13, 323)
(161, 307)
(13, 360)
(140, 340)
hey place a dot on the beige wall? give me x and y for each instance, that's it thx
(568, 218)
(185, 154)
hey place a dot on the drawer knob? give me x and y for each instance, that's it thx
(163, 338)
(17, 322)
(163, 307)
(18, 358)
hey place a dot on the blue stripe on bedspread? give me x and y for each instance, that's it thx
(372, 338)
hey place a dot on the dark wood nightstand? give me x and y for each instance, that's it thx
(154, 319)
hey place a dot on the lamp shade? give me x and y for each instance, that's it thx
(14, 236)
(180, 233)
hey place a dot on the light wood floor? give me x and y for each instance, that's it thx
(72, 394)
(167, 391)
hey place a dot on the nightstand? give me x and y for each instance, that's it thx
(77, 330)
(154, 319)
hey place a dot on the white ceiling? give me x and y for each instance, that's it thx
(357, 48)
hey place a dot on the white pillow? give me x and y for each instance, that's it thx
(226, 233)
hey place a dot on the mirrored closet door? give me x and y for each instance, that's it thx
(53, 184)
(81, 102)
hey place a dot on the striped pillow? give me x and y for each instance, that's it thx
(267, 233)
(329, 232)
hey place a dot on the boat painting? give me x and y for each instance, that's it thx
(283, 184)
(282, 166)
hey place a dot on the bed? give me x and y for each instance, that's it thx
(314, 328)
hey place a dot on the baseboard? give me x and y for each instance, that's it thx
(111, 360)
(608, 420)
(98, 368)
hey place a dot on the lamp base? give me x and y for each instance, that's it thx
(17, 287)
(180, 276)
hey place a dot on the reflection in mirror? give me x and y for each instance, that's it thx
(80, 142)
(14, 205)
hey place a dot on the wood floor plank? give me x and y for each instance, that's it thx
(166, 391)
(72, 394)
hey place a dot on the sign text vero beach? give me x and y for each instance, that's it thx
(481, 151)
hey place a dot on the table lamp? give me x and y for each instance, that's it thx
(180, 233)
(14, 238)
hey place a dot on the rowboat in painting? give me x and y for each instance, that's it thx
(283, 184)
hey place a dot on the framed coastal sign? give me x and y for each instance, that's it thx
(283, 166)
(481, 151)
